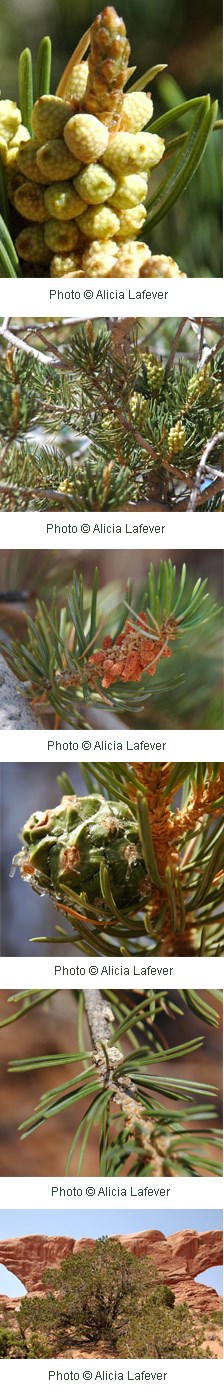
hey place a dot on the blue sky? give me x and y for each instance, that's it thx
(94, 1223)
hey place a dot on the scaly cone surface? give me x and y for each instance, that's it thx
(108, 64)
(66, 846)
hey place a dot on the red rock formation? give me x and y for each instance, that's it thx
(178, 1258)
(181, 1258)
(201, 1250)
(28, 1256)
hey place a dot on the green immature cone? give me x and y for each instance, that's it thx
(66, 849)
(49, 116)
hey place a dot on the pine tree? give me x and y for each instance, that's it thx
(5, 1341)
(164, 1333)
(109, 1301)
(130, 425)
(123, 1075)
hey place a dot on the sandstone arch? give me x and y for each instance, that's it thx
(28, 1256)
(8, 1273)
(180, 1258)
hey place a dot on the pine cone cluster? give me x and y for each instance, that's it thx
(200, 383)
(176, 438)
(154, 371)
(133, 653)
(80, 182)
(12, 135)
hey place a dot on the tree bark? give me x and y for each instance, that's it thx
(15, 710)
(109, 1061)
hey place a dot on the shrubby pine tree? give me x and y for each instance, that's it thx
(127, 425)
(5, 1340)
(164, 1332)
(15, 1342)
(149, 1123)
(108, 1299)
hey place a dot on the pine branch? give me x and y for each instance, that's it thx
(110, 1063)
(201, 470)
(145, 422)
(108, 1058)
(131, 871)
(64, 669)
(11, 338)
(143, 1132)
(53, 495)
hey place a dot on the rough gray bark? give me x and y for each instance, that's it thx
(107, 1058)
(109, 1061)
(15, 711)
(99, 1014)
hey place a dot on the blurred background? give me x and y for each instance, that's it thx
(23, 913)
(158, 333)
(185, 35)
(186, 692)
(51, 1030)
